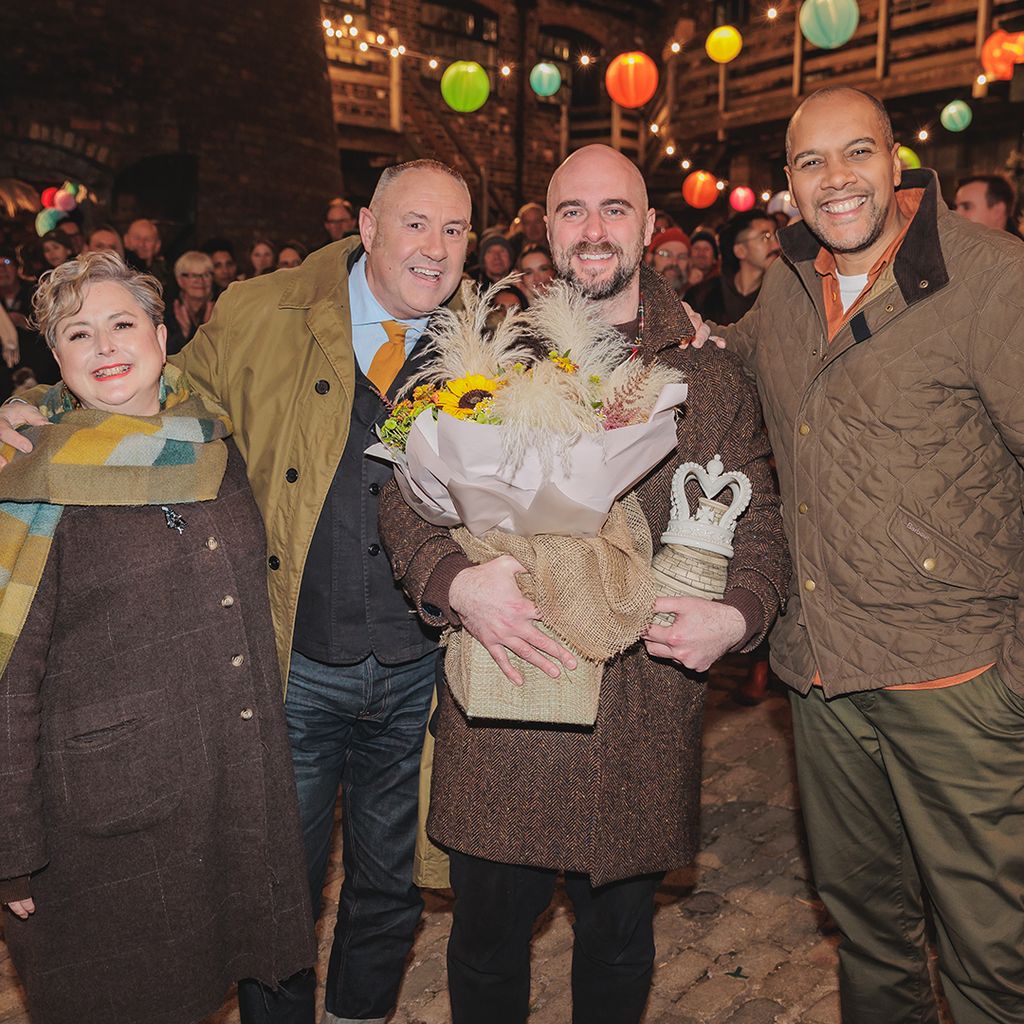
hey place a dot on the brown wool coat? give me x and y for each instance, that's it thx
(145, 776)
(622, 798)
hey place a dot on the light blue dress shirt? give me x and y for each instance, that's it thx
(367, 314)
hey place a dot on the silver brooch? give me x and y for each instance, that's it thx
(174, 521)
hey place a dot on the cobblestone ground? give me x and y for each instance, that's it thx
(741, 937)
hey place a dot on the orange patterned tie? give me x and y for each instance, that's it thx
(388, 359)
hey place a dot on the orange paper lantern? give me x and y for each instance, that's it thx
(700, 189)
(631, 79)
(1000, 52)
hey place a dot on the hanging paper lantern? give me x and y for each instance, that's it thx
(742, 199)
(545, 79)
(908, 158)
(782, 202)
(465, 86)
(64, 201)
(71, 188)
(956, 116)
(46, 197)
(700, 189)
(1000, 52)
(724, 44)
(47, 220)
(631, 79)
(829, 23)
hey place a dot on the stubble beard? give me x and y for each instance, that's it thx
(873, 233)
(625, 270)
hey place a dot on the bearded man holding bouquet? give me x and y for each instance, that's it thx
(615, 805)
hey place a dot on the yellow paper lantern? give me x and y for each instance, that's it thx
(724, 44)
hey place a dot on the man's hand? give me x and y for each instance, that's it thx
(703, 332)
(702, 632)
(493, 609)
(22, 908)
(12, 416)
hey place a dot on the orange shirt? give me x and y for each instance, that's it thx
(909, 201)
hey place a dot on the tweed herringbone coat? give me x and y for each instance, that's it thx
(145, 774)
(622, 798)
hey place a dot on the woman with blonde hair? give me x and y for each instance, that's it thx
(150, 852)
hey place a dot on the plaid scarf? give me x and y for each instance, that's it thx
(88, 457)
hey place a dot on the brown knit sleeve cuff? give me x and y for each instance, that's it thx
(434, 604)
(12, 889)
(749, 605)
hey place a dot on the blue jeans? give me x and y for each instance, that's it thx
(360, 727)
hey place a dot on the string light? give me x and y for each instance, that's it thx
(401, 50)
(675, 47)
(364, 46)
(922, 135)
(670, 150)
(982, 80)
(506, 70)
(432, 63)
(393, 51)
(685, 164)
(772, 13)
(347, 19)
(720, 185)
(327, 22)
(353, 31)
(765, 196)
(331, 33)
(380, 39)
(585, 59)
(655, 129)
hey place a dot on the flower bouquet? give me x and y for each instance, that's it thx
(521, 440)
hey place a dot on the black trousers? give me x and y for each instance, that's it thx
(496, 906)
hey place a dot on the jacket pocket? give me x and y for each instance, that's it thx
(121, 765)
(936, 558)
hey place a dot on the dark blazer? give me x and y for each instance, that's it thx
(145, 773)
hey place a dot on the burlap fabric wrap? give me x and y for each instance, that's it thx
(595, 594)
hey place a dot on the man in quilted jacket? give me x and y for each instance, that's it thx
(888, 345)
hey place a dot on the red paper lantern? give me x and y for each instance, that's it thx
(700, 189)
(631, 79)
(742, 199)
(47, 197)
(1000, 52)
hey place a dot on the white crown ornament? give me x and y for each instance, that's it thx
(694, 559)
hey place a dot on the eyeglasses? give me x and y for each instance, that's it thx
(205, 275)
(764, 236)
(679, 257)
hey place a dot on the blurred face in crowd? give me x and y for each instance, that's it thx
(196, 282)
(538, 272)
(143, 239)
(972, 202)
(289, 257)
(497, 262)
(261, 257)
(672, 261)
(56, 253)
(105, 240)
(339, 222)
(599, 222)
(662, 222)
(415, 235)
(74, 233)
(843, 175)
(531, 220)
(110, 353)
(758, 245)
(225, 269)
(702, 255)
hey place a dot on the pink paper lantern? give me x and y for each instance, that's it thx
(742, 199)
(64, 201)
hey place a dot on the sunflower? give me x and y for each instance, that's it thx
(459, 398)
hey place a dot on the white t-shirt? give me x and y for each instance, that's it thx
(850, 287)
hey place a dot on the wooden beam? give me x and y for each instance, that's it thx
(984, 25)
(798, 54)
(616, 127)
(882, 51)
(563, 131)
(395, 75)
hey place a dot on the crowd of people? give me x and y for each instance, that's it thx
(155, 846)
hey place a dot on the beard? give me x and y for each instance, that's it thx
(876, 225)
(626, 267)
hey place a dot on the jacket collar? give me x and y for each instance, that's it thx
(321, 274)
(920, 256)
(665, 321)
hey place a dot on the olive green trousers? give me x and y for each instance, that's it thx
(907, 793)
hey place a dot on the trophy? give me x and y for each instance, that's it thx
(695, 557)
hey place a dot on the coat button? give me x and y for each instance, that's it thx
(803, 508)
(211, 543)
(889, 307)
(922, 284)
(245, 714)
(808, 585)
(374, 550)
(227, 601)
(929, 564)
(805, 429)
(374, 489)
(292, 475)
(238, 660)
(274, 562)
(321, 387)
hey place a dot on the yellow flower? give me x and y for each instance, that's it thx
(563, 362)
(459, 398)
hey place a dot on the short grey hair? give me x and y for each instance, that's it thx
(391, 174)
(189, 261)
(61, 291)
(884, 122)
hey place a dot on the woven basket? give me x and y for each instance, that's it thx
(483, 691)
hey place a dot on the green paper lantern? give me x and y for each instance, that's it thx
(545, 79)
(829, 23)
(956, 116)
(71, 188)
(48, 219)
(908, 158)
(465, 86)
